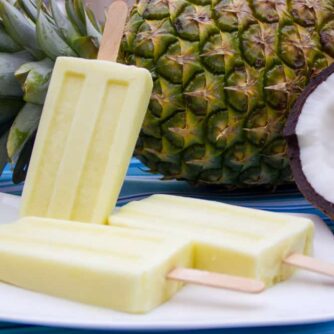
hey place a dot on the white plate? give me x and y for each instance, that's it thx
(305, 298)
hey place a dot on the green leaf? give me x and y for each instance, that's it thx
(82, 45)
(74, 17)
(32, 8)
(4, 159)
(9, 62)
(92, 31)
(65, 26)
(20, 28)
(93, 20)
(85, 47)
(34, 78)
(50, 40)
(29, 8)
(7, 44)
(79, 9)
(22, 163)
(9, 109)
(25, 123)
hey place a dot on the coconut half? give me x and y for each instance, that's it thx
(309, 132)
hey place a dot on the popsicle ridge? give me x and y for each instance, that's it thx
(55, 126)
(211, 220)
(59, 234)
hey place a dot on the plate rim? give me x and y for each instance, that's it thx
(164, 325)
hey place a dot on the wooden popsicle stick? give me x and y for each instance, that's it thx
(310, 264)
(113, 31)
(222, 281)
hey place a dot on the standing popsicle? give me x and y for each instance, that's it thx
(229, 239)
(90, 123)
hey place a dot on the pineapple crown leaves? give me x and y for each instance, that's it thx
(9, 86)
(84, 20)
(20, 28)
(75, 13)
(50, 40)
(74, 35)
(22, 162)
(33, 33)
(45, 31)
(7, 44)
(24, 125)
(84, 38)
(9, 109)
(34, 78)
(30, 8)
(59, 36)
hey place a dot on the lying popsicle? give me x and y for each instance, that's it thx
(125, 269)
(90, 123)
(229, 239)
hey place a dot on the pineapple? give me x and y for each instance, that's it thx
(226, 74)
(32, 36)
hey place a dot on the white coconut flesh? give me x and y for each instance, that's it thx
(315, 133)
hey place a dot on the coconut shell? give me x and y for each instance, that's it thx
(294, 150)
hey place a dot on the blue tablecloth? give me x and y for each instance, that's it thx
(140, 184)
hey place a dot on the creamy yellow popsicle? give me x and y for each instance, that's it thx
(90, 123)
(228, 239)
(119, 268)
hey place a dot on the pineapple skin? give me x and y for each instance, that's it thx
(226, 74)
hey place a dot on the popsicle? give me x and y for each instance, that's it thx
(228, 239)
(91, 119)
(123, 269)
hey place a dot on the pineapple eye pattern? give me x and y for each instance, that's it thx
(227, 73)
